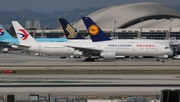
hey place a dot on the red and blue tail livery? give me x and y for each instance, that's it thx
(6, 37)
(1, 32)
(24, 34)
(95, 32)
(69, 30)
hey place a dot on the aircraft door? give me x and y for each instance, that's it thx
(134, 47)
(156, 48)
(40, 47)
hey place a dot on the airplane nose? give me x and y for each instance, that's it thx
(169, 50)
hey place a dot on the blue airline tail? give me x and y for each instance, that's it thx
(95, 32)
(68, 29)
(4, 34)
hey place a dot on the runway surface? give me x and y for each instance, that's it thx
(90, 79)
(29, 63)
(87, 90)
(32, 62)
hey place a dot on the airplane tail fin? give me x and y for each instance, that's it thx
(4, 34)
(22, 35)
(69, 30)
(95, 32)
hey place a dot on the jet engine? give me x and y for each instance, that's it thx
(108, 55)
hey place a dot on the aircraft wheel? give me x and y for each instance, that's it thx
(157, 60)
(93, 59)
(89, 59)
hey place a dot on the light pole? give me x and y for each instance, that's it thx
(76, 26)
(170, 25)
(170, 29)
(114, 26)
(141, 24)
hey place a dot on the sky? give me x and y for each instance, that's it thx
(67, 5)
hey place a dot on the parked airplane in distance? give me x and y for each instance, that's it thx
(177, 57)
(7, 39)
(28, 43)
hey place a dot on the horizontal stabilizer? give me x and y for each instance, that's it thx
(20, 46)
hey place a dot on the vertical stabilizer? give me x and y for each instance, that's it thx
(22, 35)
(69, 30)
(95, 32)
(4, 35)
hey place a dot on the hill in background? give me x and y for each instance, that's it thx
(47, 19)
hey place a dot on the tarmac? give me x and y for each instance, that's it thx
(48, 70)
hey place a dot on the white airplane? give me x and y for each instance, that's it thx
(105, 49)
(101, 36)
(73, 36)
(28, 43)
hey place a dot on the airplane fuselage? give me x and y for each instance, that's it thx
(127, 49)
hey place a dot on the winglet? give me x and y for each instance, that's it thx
(4, 34)
(93, 29)
(22, 35)
(69, 30)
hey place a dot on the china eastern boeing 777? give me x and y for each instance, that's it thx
(69, 31)
(106, 50)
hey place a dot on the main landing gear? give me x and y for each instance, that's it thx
(158, 60)
(89, 59)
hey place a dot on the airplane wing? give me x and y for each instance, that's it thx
(87, 51)
(20, 46)
(4, 43)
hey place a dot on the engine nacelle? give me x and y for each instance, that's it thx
(108, 55)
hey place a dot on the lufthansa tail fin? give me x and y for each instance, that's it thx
(4, 34)
(95, 32)
(22, 35)
(69, 30)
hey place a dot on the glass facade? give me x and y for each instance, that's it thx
(119, 35)
(48, 35)
(154, 35)
(109, 34)
(37, 35)
(54, 35)
(175, 34)
(84, 34)
(126, 35)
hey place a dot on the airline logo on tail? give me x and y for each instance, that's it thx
(1, 32)
(24, 34)
(72, 32)
(93, 29)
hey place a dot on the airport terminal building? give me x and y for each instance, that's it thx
(139, 20)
